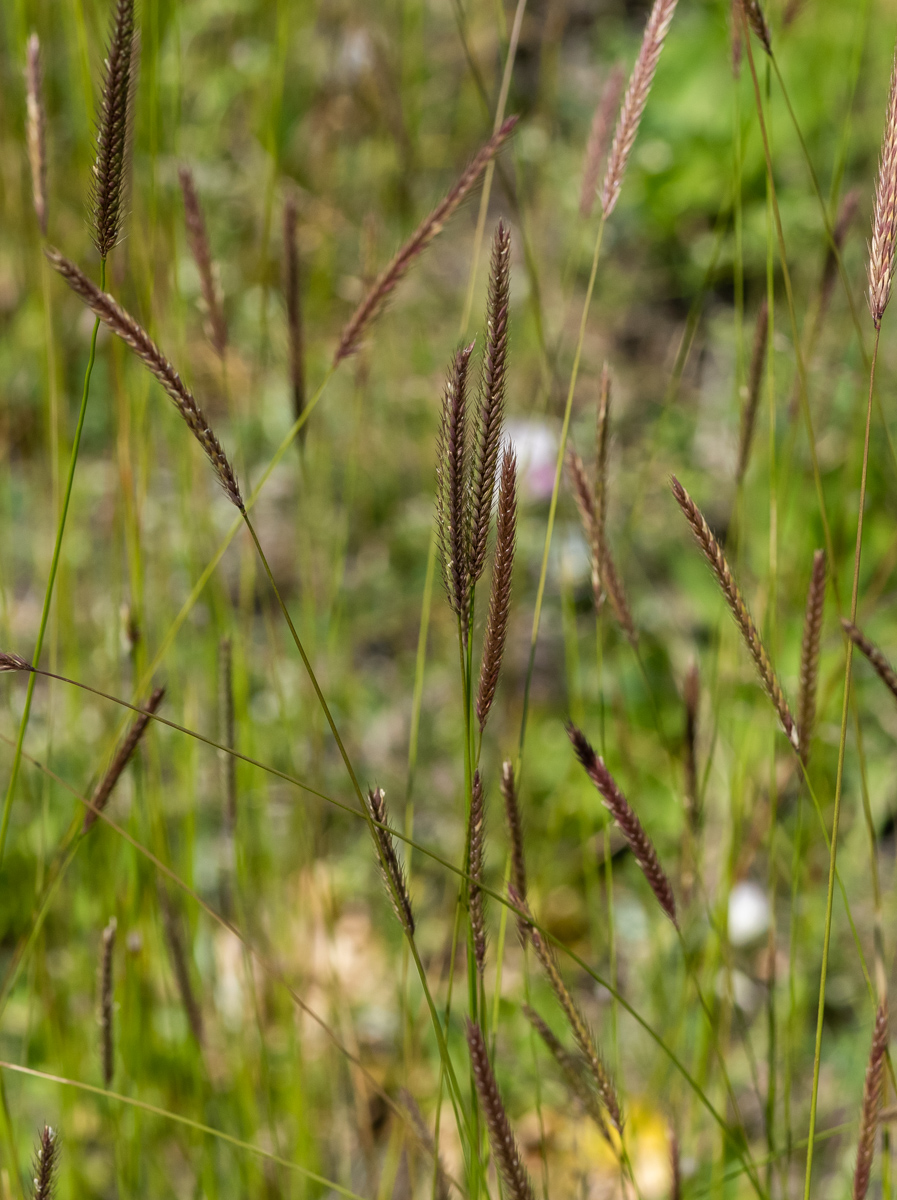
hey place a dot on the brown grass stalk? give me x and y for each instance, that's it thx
(717, 560)
(113, 120)
(491, 407)
(620, 809)
(36, 131)
(390, 867)
(602, 452)
(227, 732)
(634, 101)
(884, 217)
(599, 138)
(386, 282)
(809, 656)
(735, 32)
(577, 1022)
(883, 668)
(872, 1099)
(692, 698)
(500, 594)
(573, 1070)
(134, 335)
(104, 788)
(475, 895)
(198, 241)
(174, 938)
(515, 828)
(675, 1168)
(43, 1170)
(106, 1009)
(752, 397)
(501, 1137)
(292, 293)
(452, 495)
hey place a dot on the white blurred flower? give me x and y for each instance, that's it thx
(535, 442)
(748, 913)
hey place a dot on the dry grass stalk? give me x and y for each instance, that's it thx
(227, 732)
(675, 1168)
(883, 668)
(113, 119)
(573, 1070)
(44, 1166)
(492, 401)
(384, 285)
(884, 217)
(872, 1099)
(634, 101)
(452, 497)
(425, 1137)
(198, 240)
(175, 939)
(390, 867)
(292, 292)
(500, 595)
(752, 399)
(619, 808)
(134, 335)
(737, 43)
(515, 828)
(106, 1000)
(36, 131)
(717, 560)
(758, 23)
(809, 656)
(599, 138)
(577, 1022)
(104, 788)
(501, 1137)
(475, 895)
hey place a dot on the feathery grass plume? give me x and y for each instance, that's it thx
(573, 1070)
(491, 409)
(425, 1137)
(36, 131)
(758, 23)
(884, 216)
(505, 1151)
(103, 790)
(620, 809)
(226, 731)
(634, 101)
(475, 899)
(13, 662)
(752, 398)
(44, 1165)
(134, 335)
(599, 137)
(500, 595)
(113, 118)
(175, 939)
(577, 1022)
(387, 280)
(584, 495)
(692, 695)
(198, 240)
(106, 988)
(737, 44)
(515, 827)
(809, 656)
(452, 498)
(292, 294)
(717, 560)
(872, 1098)
(390, 867)
(883, 668)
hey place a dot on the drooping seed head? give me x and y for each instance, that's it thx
(123, 754)
(113, 130)
(515, 828)
(574, 1071)
(501, 1137)
(391, 869)
(883, 668)
(13, 662)
(757, 21)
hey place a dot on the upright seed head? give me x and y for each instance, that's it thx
(733, 597)
(631, 827)
(500, 594)
(599, 138)
(44, 1166)
(198, 240)
(872, 1097)
(106, 988)
(113, 132)
(884, 216)
(452, 488)
(36, 131)
(492, 401)
(755, 379)
(809, 656)
(292, 293)
(501, 1137)
(515, 828)
(104, 788)
(477, 914)
(390, 867)
(134, 335)
(634, 101)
